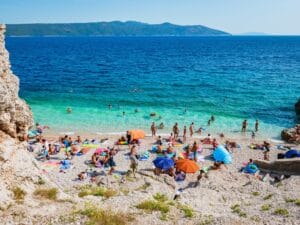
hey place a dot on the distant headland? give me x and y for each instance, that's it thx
(114, 28)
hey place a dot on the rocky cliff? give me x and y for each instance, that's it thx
(15, 115)
(15, 119)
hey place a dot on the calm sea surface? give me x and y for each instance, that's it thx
(234, 78)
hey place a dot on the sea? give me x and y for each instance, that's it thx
(180, 79)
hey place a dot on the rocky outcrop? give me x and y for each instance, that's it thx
(15, 115)
(291, 135)
(282, 166)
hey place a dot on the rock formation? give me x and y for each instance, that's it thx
(291, 135)
(16, 166)
(15, 115)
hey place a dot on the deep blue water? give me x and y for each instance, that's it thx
(231, 77)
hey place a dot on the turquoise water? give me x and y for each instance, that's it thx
(234, 78)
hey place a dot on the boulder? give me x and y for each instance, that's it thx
(282, 166)
(290, 135)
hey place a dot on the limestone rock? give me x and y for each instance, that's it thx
(15, 115)
(291, 135)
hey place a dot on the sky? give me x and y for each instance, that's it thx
(279, 17)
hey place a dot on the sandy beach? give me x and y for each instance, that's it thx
(225, 197)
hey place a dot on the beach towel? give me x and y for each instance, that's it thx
(90, 145)
(144, 156)
(49, 165)
(292, 154)
(251, 168)
(65, 164)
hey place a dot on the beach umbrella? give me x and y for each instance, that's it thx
(163, 163)
(137, 134)
(187, 165)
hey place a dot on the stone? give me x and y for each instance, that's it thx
(15, 115)
(291, 135)
(282, 166)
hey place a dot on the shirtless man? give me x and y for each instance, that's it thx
(176, 131)
(192, 129)
(153, 129)
(244, 126)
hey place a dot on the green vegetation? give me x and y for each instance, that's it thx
(50, 193)
(96, 191)
(267, 197)
(255, 193)
(282, 212)
(143, 187)
(255, 218)
(207, 220)
(98, 216)
(236, 209)
(115, 28)
(152, 205)
(160, 197)
(19, 194)
(265, 207)
(41, 181)
(290, 200)
(187, 211)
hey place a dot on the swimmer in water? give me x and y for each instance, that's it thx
(136, 110)
(123, 113)
(69, 110)
(109, 106)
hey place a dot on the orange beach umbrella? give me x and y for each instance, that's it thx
(137, 134)
(187, 165)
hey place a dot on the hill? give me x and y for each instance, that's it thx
(115, 28)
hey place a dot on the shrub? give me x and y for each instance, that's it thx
(151, 205)
(236, 209)
(282, 212)
(267, 197)
(98, 216)
(255, 193)
(187, 211)
(97, 191)
(297, 202)
(207, 220)
(50, 193)
(19, 194)
(143, 187)
(265, 207)
(160, 197)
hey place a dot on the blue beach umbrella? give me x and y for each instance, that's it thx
(163, 163)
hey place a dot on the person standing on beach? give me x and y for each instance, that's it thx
(133, 159)
(208, 123)
(153, 129)
(256, 125)
(244, 126)
(192, 129)
(184, 134)
(176, 131)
